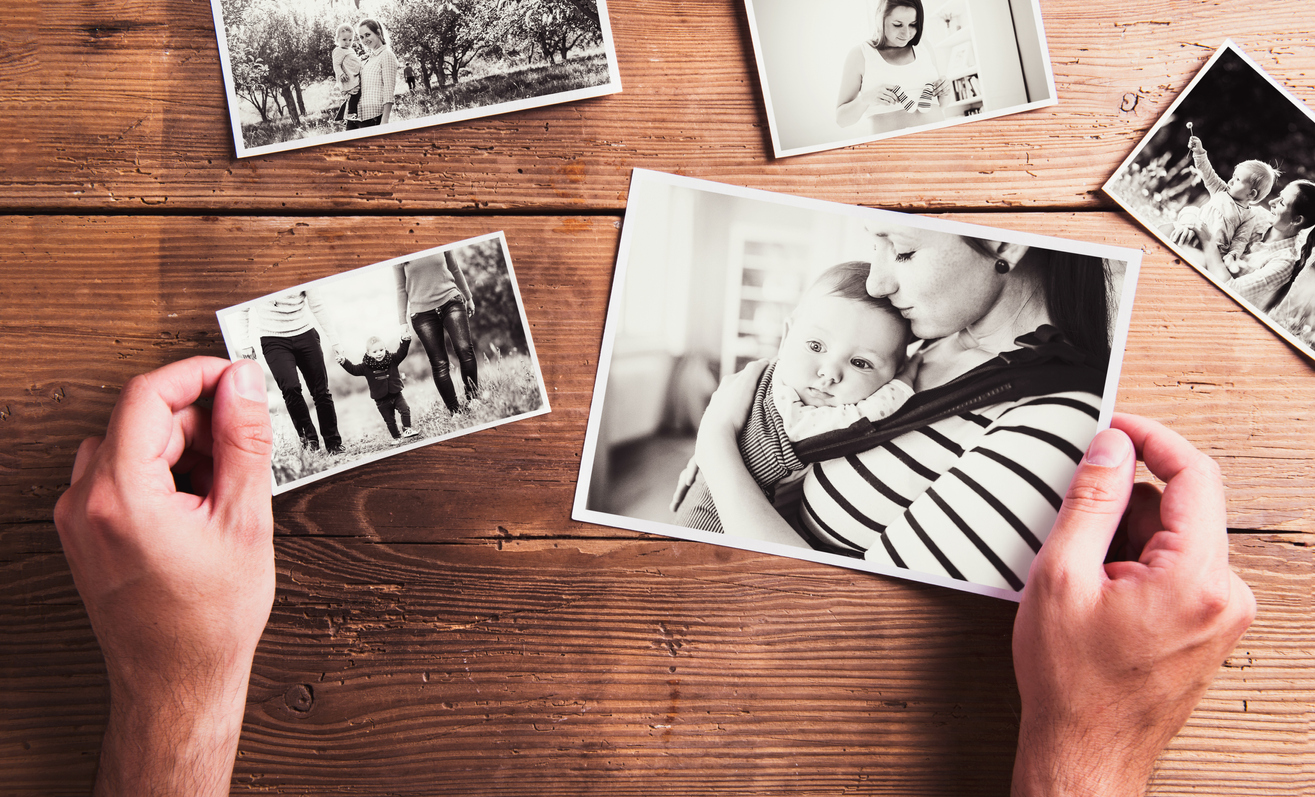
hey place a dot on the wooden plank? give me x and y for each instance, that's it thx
(93, 301)
(644, 666)
(121, 108)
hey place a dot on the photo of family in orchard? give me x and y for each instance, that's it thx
(1226, 179)
(394, 355)
(304, 72)
(864, 388)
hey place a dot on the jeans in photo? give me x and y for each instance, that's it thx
(394, 402)
(429, 327)
(285, 357)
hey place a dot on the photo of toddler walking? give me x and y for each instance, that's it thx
(379, 367)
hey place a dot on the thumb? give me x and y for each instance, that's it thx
(243, 442)
(1094, 505)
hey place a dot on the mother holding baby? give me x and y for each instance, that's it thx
(965, 481)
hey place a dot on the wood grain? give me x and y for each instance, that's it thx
(121, 108)
(571, 665)
(442, 626)
(99, 299)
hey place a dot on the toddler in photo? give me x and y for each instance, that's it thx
(839, 363)
(347, 70)
(379, 367)
(1233, 213)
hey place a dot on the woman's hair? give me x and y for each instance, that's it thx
(1077, 289)
(884, 10)
(375, 27)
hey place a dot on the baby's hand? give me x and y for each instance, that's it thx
(1194, 144)
(909, 372)
(406, 334)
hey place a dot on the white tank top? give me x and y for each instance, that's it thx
(912, 78)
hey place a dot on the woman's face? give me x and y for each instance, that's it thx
(369, 38)
(899, 26)
(935, 280)
(1282, 207)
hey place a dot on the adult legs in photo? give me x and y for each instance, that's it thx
(429, 328)
(287, 356)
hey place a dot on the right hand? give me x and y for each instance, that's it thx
(882, 94)
(1112, 658)
(247, 353)
(1195, 146)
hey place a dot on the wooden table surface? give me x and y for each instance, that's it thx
(442, 626)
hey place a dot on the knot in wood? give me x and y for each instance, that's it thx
(299, 698)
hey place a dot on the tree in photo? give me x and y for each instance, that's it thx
(275, 50)
(556, 27)
(446, 36)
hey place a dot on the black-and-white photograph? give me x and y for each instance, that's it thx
(850, 71)
(410, 351)
(845, 72)
(886, 392)
(306, 72)
(1226, 179)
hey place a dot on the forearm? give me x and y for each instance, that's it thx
(170, 741)
(741, 505)
(849, 113)
(1054, 761)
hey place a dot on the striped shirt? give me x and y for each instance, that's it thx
(969, 497)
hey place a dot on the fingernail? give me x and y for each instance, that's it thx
(249, 381)
(1108, 449)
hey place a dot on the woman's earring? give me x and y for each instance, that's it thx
(1001, 267)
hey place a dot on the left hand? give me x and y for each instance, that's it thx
(178, 586)
(470, 305)
(941, 88)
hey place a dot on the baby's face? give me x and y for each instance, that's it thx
(1239, 188)
(377, 353)
(344, 39)
(839, 351)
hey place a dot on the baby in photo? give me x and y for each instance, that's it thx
(841, 361)
(1233, 213)
(347, 70)
(379, 367)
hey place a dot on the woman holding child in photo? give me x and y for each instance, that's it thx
(964, 481)
(1264, 273)
(891, 79)
(434, 297)
(378, 77)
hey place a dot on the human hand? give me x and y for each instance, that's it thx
(908, 374)
(728, 408)
(1183, 235)
(1195, 146)
(247, 353)
(941, 88)
(404, 330)
(178, 586)
(1112, 658)
(882, 94)
(470, 305)
(683, 483)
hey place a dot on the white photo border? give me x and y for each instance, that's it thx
(241, 150)
(642, 177)
(381, 266)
